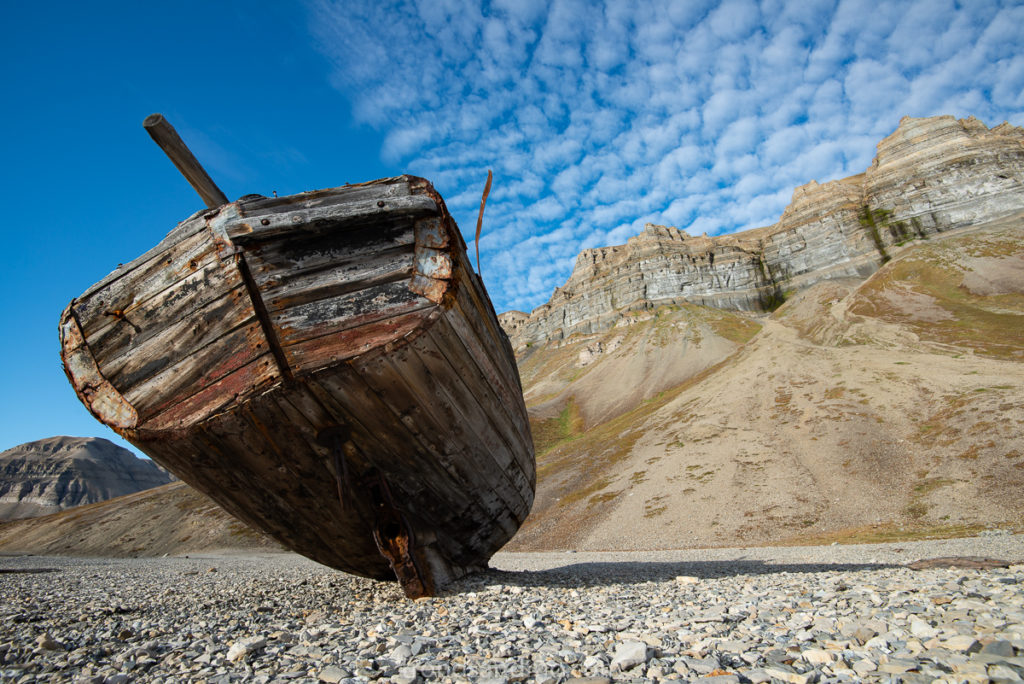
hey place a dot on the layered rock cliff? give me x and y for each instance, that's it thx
(931, 175)
(50, 475)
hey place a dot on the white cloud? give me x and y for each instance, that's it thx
(599, 115)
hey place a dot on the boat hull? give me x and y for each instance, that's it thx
(329, 369)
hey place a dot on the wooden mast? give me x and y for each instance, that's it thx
(170, 142)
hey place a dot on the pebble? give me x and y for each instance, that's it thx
(628, 655)
(280, 618)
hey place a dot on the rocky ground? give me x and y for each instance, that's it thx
(799, 614)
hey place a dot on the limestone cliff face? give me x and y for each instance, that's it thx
(53, 474)
(931, 175)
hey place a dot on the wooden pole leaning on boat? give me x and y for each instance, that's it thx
(164, 135)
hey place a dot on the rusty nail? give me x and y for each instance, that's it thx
(380, 203)
(265, 222)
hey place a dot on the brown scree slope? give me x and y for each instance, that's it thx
(860, 409)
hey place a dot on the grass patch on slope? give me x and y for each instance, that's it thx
(883, 533)
(734, 327)
(988, 324)
(552, 432)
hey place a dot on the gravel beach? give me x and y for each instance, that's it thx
(797, 614)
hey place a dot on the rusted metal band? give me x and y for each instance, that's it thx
(396, 542)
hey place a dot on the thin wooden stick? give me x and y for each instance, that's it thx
(480, 221)
(167, 138)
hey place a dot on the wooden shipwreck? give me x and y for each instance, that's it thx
(325, 366)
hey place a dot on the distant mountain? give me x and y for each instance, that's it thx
(49, 475)
(173, 519)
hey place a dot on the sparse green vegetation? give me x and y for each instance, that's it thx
(550, 433)
(882, 533)
(654, 507)
(734, 327)
(988, 324)
(870, 218)
(916, 510)
(835, 392)
(770, 293)
(930, 485)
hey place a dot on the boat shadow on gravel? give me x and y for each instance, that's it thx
(597, 574)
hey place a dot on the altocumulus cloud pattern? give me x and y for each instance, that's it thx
(598, 117)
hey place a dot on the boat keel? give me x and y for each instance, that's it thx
(396, 542)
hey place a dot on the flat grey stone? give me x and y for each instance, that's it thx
(332, 674)
(1004, 673)
(702, 666)
(628, 655)
(998, 648)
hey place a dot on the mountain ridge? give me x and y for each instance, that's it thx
(862, 409)
(57, 473)
(930, 176)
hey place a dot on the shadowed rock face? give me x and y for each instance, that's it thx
(50, 475)
(930, 176)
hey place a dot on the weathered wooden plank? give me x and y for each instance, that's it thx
(279, 260)
(476, 423)
(381, 212)
(274, 448)
(496, 395)
(196, 398)
(171, 378)
(92, 388)
(475, 307)
(342, 312)
(506, 387)
(384, 188)
(407, 450)
(419, 397)
(96, 310)
(168, 363)
(295, 289)
(201, 461)
(148, 318)
(244, 490)
(184, 230)
(376, 445)
(131, 361)
(300, 405)
(312, 354)
(405, 463)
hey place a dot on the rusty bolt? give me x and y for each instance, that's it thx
(380, 203)
(265, 222)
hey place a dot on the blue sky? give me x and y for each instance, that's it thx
(595, 117)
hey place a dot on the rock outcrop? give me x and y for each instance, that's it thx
(931, 175)
(860, 410)
(50, 475)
